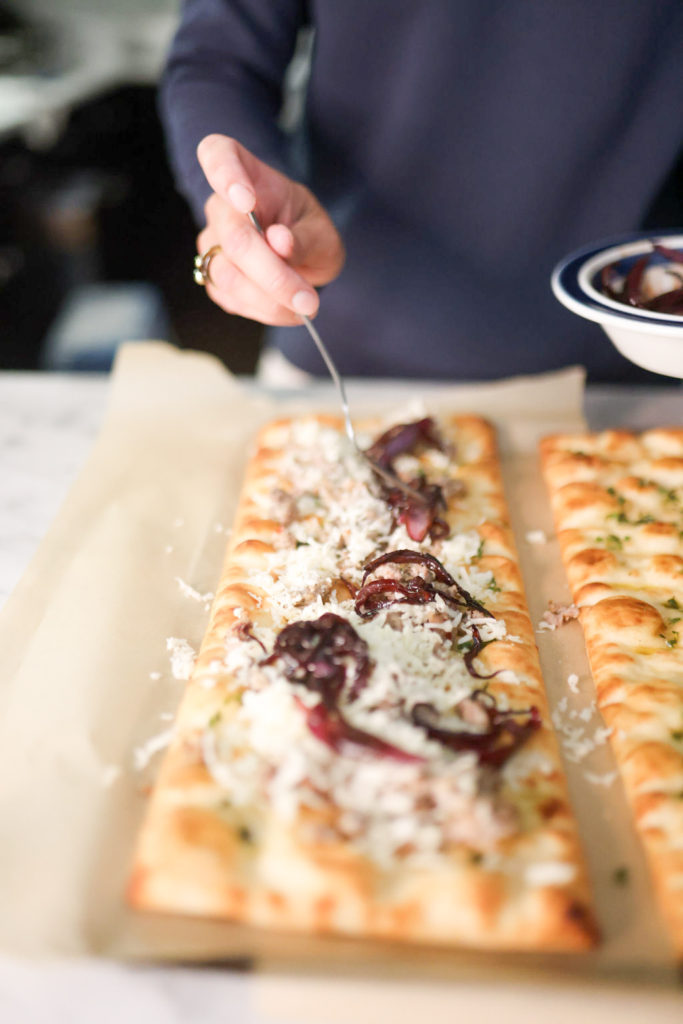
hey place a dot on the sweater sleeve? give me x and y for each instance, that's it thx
(224, 74)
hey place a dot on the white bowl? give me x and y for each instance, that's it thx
(649, 339)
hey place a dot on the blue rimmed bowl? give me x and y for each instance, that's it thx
(649, 339)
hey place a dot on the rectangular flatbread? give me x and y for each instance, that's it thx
(364, 746)
(617, 499)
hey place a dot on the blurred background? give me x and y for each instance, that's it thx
(96, 246)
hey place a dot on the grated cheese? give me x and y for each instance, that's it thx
(143, 754)
(262, 748)
(182, 657)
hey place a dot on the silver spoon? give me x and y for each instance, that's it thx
(390, 478)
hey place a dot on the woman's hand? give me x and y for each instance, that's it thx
(268, 277)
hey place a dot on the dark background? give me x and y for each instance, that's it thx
(100, 206)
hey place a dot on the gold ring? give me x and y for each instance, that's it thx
(202, 265)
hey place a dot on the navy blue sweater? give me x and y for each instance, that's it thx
(462, 147)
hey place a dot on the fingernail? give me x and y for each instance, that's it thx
(241, 197)
(305, 303)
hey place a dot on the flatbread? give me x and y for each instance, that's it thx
(617, 500)
(256, 818)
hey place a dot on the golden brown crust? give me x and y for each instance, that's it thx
(197, 854)
(618, 507)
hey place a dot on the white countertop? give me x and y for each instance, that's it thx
(47, 427)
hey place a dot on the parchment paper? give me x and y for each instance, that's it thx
(85, 679)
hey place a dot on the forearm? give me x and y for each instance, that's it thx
(224, 75)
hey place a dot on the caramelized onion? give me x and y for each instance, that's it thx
(331, 728)
(374, 596)
(494, 745)
(402, 438)
(630, 291)
(477, 647)
(245, 631)
(419, 513)
(317, 654)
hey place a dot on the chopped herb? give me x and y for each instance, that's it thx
(615, 543)
(620, 497)
(476, 857)
(672, 622)
(215, 719)
(677, 734)
(620, 876)
(302, 544)
(620, 517)
(673, 603)
(670, 641)
(668, 494)
(465, 645)
(480, 549)
(244, 834)
(493, 586)
(643, 520)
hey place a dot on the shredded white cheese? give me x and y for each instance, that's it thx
(189, 591)
(549, 873)
(338, 521)
(143, 754)
(182, 657)
(605, 779)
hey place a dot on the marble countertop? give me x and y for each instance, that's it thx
(48, 423)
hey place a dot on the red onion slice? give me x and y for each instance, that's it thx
(317, 653)
(493, 746)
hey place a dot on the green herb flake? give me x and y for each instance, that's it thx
(669, 494)
(244, 834)
(480, 549)
(302, 544)
(215, 719)
(677, 735)
(493, 586)
(476, 857)
(620, 876)
(615, 543)
(672, 603)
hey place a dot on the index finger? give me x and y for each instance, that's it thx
(222, 160)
